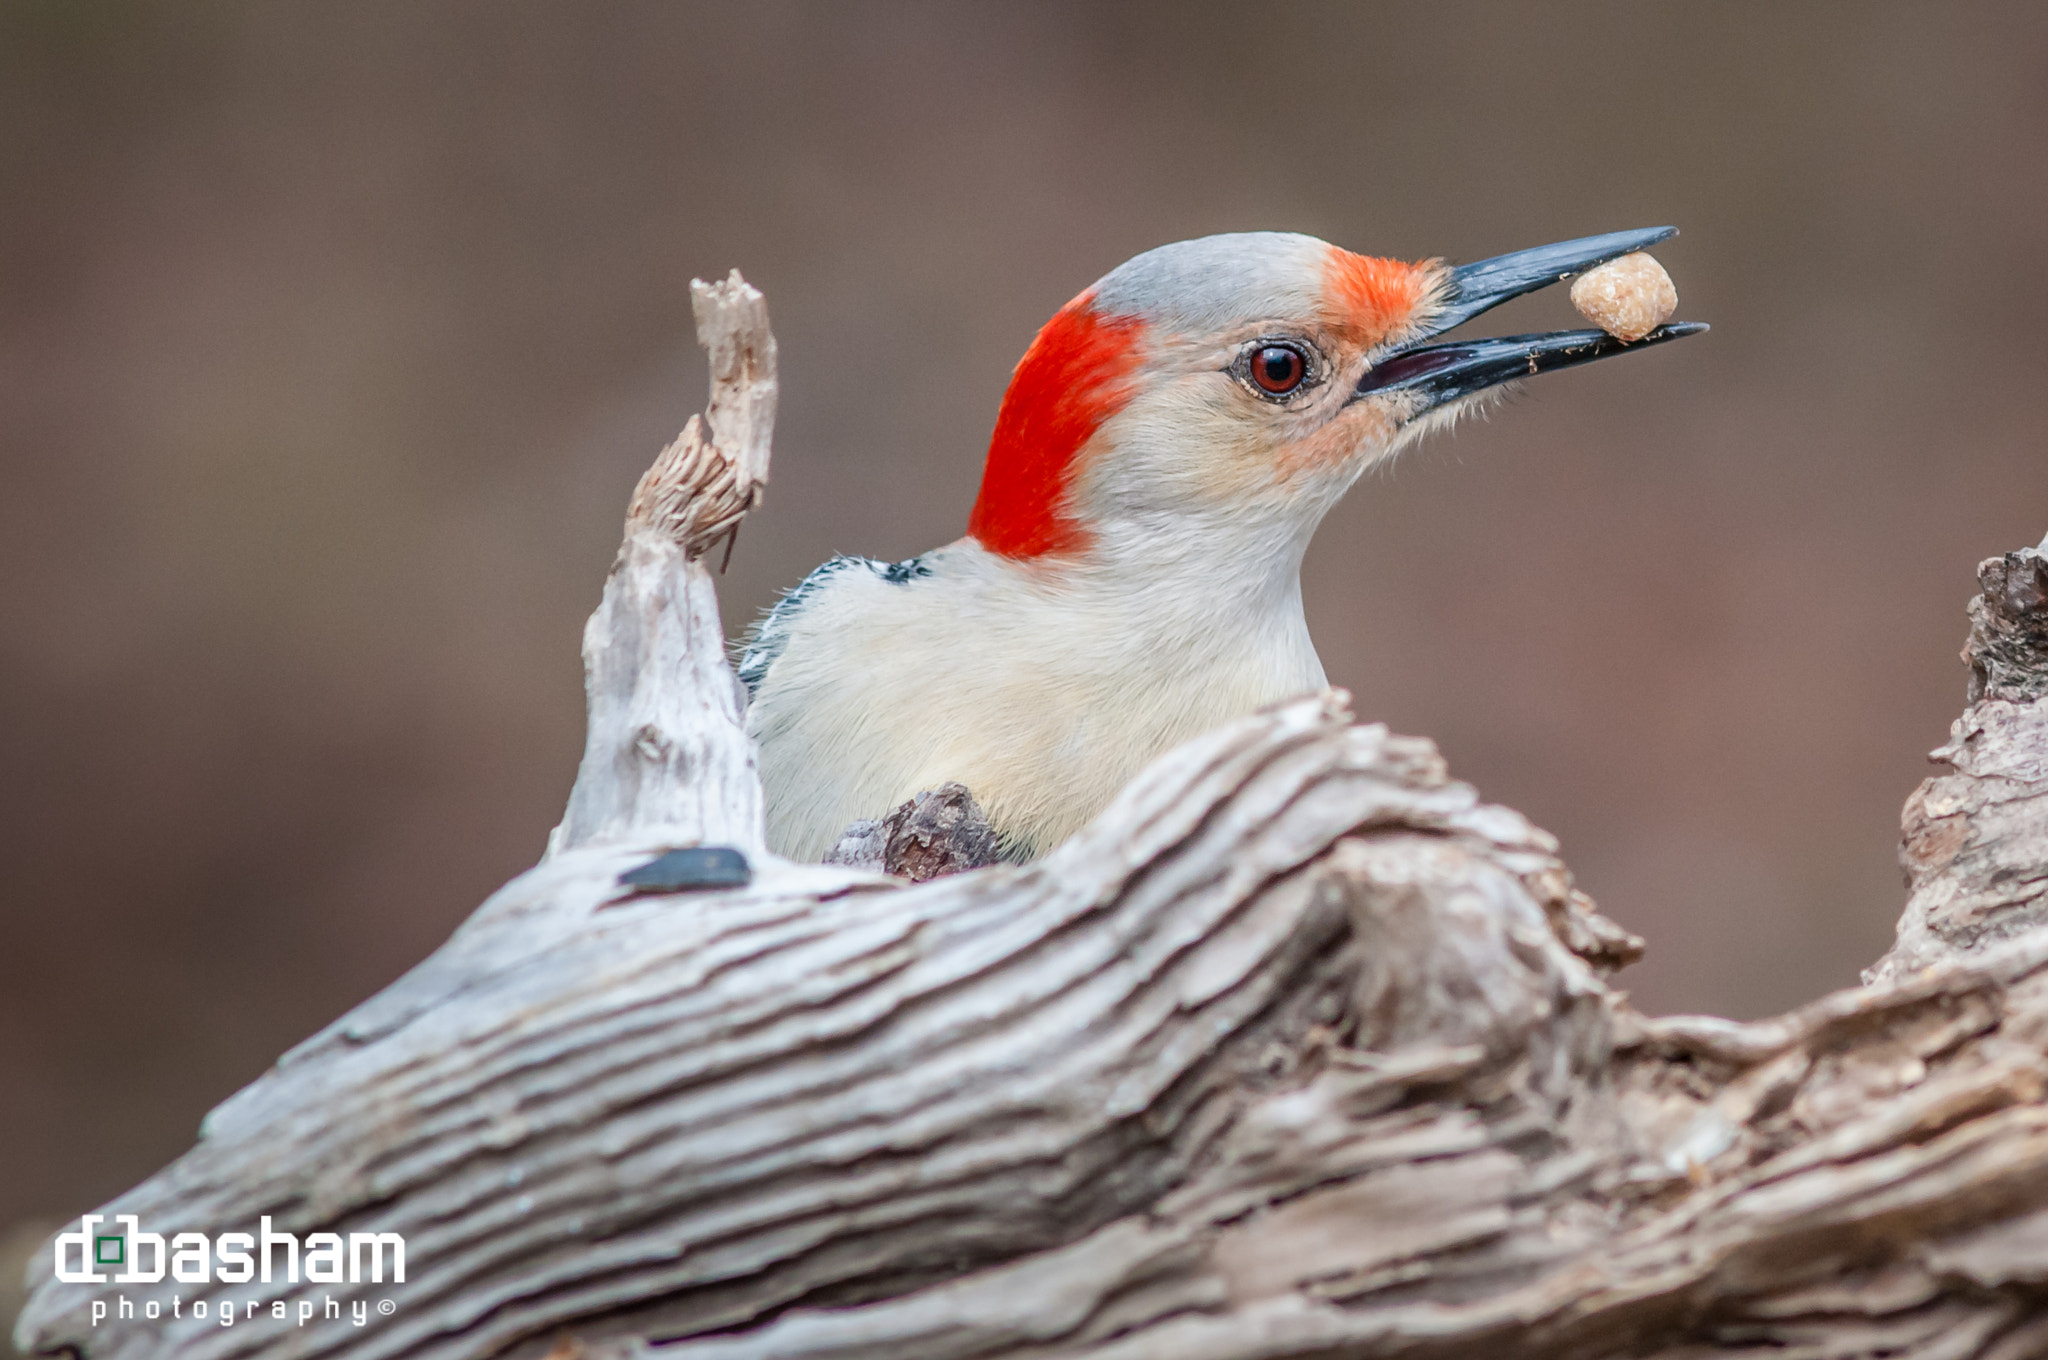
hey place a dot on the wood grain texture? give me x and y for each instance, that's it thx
(1299, 1050)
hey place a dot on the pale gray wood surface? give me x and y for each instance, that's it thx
(1299, 1050)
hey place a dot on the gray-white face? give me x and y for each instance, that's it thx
(1254, 375)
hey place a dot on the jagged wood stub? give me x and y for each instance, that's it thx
(700, 486)
(665, 751)
(1299, 1050)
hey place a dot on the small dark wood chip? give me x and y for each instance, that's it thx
(698, 866)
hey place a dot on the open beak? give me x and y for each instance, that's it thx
(1443, 373)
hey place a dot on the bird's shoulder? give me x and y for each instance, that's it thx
(769, 637)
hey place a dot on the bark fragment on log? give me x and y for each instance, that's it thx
(2008, 648)
(1972, 841)
(1299, 1050)
(941, 831)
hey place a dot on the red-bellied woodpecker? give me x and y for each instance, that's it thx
(1131, 571)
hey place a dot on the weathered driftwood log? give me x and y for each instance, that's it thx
(1299, 1050)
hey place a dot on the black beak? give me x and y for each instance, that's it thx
(1443, 373)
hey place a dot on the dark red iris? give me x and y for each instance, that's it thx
(1278, 369)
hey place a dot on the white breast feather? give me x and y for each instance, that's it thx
(1042, 692)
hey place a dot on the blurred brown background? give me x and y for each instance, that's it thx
(333, 338)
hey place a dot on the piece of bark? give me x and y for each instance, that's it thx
(2008, 648)
(1298, 1050)
(1974, 841)
(940, 831)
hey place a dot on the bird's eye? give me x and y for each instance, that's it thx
(1278, 369)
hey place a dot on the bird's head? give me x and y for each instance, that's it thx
(1241, 383)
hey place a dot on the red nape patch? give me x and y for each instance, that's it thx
(1371, 297)
(1075, 376)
